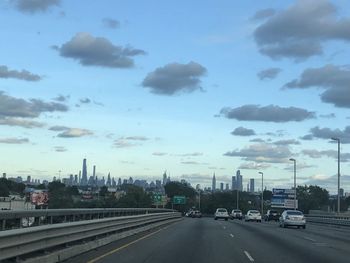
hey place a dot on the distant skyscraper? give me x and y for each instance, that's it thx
(164, 178)
(234, 183)
(94, 172)
(239, 180)
(84, 179)
(79, 182)
(252, 185)
(119, 181)
(213, 184)
(227, 187)
(28, 179)
(221, 186)
(109, 181)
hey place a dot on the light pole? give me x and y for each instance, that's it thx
(262, 194)
(237, 198)
(295, 182)
(338, 140)
(199, 200)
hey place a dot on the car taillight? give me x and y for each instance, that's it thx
(287, 217)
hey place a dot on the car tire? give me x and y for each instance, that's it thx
(284, 225)
(226, 219)
(215, 218)
(304, 227)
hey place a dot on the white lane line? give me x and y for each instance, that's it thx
(232, 235)
(249, 256)
(224, 227)
(310, 239)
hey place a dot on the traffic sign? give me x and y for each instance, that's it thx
(179, 200)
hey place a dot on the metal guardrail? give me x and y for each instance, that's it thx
(339, 220)
(18, 242)
(12, 219)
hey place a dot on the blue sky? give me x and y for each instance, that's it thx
(195, 88)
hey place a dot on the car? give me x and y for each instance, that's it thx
(189, 213)
(292, 218)
(272, 215)
(221, 213)
(236, 214)
(196, 214)
(253, 215)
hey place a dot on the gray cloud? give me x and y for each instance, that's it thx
(315, 154)
(175, 78)
(300, 166)
(21, 123)
(71, 132)
(34, 6)
(194, 154)
(159, 153)
(334, 79)
(264, 13)
(257, 140)
(60, 149)
(329, 182)
(122, 143)
(85, 100)
(270, 113)
(14, 140)
(263, 153)
(15, 107)
(111, 23)
(287, 142)
(136, 138)
(61, 98)
(328, 116)
(98, 51)
(327, 133)
(241, 131)
(254, 166)
(307, 137)
(5, 73)
(299, 31)
(269, 73)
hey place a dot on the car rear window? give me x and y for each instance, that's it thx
(295, 213)
(273, 211)
(222, 210)
(237, 211)
(254, 212)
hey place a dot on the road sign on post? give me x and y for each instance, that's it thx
(179, 200)
(283, 198)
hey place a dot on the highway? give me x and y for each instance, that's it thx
(206, 240)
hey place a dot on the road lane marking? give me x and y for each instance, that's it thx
(224, 227)
(124, 246)
(249, 256)
(231, 235)
(310, 239)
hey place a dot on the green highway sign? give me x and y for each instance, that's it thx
(157, 198)
(179, 200)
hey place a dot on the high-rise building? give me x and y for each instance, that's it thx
(164, 178)
(239, 180)
(94, 172)
(4, 175)
(213, 184)
(84, 179)
(221, 186)
(341, 192)
(234, 183)
(227, 187)
(109, 181)
(252, 185)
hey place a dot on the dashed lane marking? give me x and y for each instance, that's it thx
(232, 235)
(249, 256)
(310, 239)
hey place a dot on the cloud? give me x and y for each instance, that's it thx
(34, 6)
(287, 142)
(74, 133)
(61, 98)
(98, 51)
(269, 73)
(315, 154)
(21, 123)
(254, 166)
(159, 153)
(241, 131)
(15, 107)
(270, 113)
(59, 128)
(85, 100)
(264, 13)
(327, 116)
(5, 73)
(300, 31)
(333, 79)
(194, 154)
(122, 143)
(300, 166)
(307, 137)
(14, 140)
(257, 140)
(111, 23)
(329, 182)
(60, 149)
(327, 133)
(174, 78)
(263, 153)
(136, 138)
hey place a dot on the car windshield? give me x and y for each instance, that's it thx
(174, 130)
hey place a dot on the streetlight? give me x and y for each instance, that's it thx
(199, 199)
(338, 140)
(295, 182)
(262, 193)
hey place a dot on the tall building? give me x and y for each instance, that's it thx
(221, 187)
(84, 179)
(109, 181)
(213, 184)
(252, 185)
(164, 178)
(239, 180)
(234, 183)
(227, 187)
(94, 172)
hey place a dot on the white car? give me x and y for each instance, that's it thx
(253, 215)
(221, 213)
(292, 218)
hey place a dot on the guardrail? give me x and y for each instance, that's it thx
(340, 220)
(11, 219)
(61, 241)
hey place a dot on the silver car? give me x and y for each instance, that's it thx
(292, 218)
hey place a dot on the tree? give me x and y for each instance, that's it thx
(59, 196)
(311, 197)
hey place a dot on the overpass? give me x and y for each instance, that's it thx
(161, 235)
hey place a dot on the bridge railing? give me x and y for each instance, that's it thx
(339, 220)
(12, 219)
(56, 242)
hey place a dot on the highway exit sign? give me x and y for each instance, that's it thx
(179, 200)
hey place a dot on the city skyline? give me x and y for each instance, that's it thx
(143, 88)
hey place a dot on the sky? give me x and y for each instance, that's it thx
(143, 87)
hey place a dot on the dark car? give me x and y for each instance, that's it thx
(272, 215)
(196, 214)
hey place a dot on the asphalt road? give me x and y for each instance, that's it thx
(206, 240)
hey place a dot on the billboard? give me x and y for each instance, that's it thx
(39, 197)
(283, 198)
